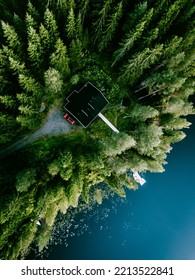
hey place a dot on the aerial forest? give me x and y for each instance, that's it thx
(139, 54)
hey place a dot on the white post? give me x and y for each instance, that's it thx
(108, 123)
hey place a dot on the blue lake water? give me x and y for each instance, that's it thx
(155, 222)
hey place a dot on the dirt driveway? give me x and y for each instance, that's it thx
(55, 124)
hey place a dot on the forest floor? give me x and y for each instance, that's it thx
(55, 124)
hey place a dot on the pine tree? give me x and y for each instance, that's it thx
(59, 59)
(12, 38)
(71, 24)
(31, 10)
(30, 85)
(79, 27)
(25, 179)
(54, 168)
(23, 98)
(17, 66)
(188, 14)
(60, 5)
(163, 83)
(118, 144)
(7, 100)
(170, 16)
(84, 9)
(111, 26)
(135, 16)
(75, 53)
(28, 122)
(187, 46)
(26, 110)
(175, 123)
(6, 122)
(35, 49)
(115, 185)
(53, 82)
(75, 190)
(18, 25)
(102, 17)
(135, 67)
(132, 36)
(45, 40)
(51, 26)
(30, 22)
(172, 47)
(141, 113)
(148, 138)
(175, 136)
(178, 107)
(152, 36)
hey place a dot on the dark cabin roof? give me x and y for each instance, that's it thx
(84, 105)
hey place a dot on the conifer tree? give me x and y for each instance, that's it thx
(35, 49)
(135, 67)
(132, 36)
(71, 24)
(7, 100)
(84, 9)
(74, 190)
(118, 144)
(12, 38)
(115, 185)
(111, 26)
(188, 13)
(30, 85)
(23, 98)
(134, 16)
(60, 5)
(59, 58)
(45, 40)
(102, 17)
(152, 36)
(26, 110)
(6, 122)
(30, 22)
(140, 113)
(178, 107)
(170, 16)
(172, 47)
(25, 179)
(148, 138)
(176, 123)
(31, 10)
(76, 53)
(17, 66)
(79, 27)
(53, 82)
(51, 26)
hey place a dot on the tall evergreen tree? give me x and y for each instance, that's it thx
(51, 26)
(135, 67)
(111, 26)
(102, 17)
(132, 36)
(59, 58)
(12, 38)
(35, 49)
(71, 24)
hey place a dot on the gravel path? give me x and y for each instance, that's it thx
(55, 125)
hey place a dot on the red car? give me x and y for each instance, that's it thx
(69, 119)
